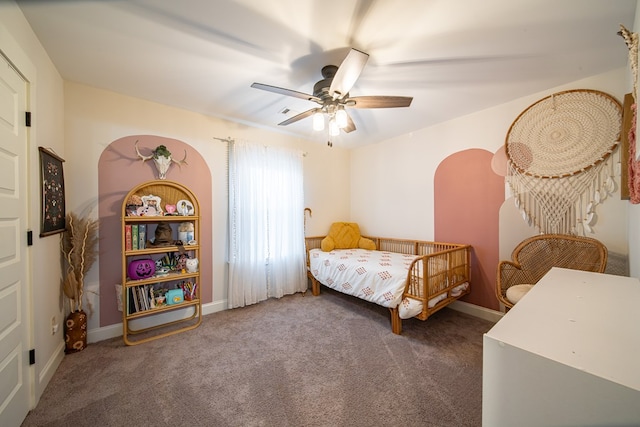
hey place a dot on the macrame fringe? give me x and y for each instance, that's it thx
(563, 205)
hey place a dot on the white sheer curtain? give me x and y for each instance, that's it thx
(266, 223)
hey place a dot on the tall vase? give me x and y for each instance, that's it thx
(75, 332)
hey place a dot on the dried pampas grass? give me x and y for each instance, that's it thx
(79, 248)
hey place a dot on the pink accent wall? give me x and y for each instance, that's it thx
(468, 195)
(119, 170)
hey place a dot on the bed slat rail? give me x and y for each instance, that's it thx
(446, 270)
(396, 245)
(313, 243)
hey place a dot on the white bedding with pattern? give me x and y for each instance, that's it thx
(376, 276)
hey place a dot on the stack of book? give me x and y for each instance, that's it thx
(135, 236)
(139, 299)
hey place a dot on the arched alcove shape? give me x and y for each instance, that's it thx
(119, 170)
(467, 199)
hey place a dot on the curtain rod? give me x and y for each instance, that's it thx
(228, 139)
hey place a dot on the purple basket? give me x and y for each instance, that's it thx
(141, 269)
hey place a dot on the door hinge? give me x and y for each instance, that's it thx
(32, 356)
(27, 118)
(29, 238)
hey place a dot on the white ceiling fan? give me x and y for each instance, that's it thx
(332, 95)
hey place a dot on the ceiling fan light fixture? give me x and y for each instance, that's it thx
(332, 95)
(341, 118)
(318, 121)
(334, 130)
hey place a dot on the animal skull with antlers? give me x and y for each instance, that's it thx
(162, 159)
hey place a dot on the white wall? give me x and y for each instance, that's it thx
(94, 118)
(46, 103)
(402, 170)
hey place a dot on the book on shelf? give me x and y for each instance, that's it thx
(127, 237)
(144, 301)
(138, 301)
(142, 236)
(145, 292)
(134, 308)
(142, 298)
(139, 298)
(134, 237)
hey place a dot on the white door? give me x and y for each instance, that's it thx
(15, 374)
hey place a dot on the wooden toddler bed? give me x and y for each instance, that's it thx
(412, 278)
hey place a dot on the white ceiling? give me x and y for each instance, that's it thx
(453, 57)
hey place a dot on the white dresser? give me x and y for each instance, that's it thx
(568, 354)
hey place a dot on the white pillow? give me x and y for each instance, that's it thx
(409, 307)
(516, 292)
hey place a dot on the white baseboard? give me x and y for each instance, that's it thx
(214, 307)
(477, 311)
(115, 330)
(52, 364)
(104, 333)
(48, 370)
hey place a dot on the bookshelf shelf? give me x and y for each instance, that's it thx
(164, 308)
(174, 276)
(167, 218)
(160, 250)
(145, 239)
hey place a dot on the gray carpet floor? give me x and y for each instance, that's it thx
(329, 360)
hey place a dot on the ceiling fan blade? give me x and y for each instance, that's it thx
(379, 101)
(350, 127)
(348, 73)
(300, 116)
(287, 92)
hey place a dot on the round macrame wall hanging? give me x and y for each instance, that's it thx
(559, 159)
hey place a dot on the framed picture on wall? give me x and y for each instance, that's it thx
(52, 201)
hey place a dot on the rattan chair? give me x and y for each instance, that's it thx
(535, 256)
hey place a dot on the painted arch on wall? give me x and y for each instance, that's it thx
(119, 170)
(468, 195)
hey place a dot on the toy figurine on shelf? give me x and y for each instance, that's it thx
(133, 203)
(180, 263)
(192, 265)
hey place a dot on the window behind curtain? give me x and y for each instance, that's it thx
(266, 223)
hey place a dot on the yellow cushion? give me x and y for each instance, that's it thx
(345, 235)
(365, 243)
(516, 292)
